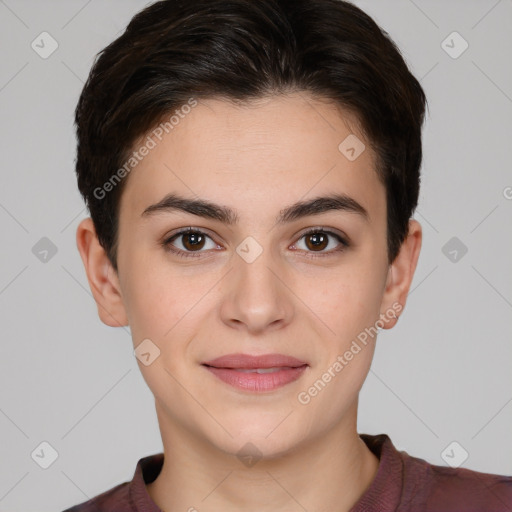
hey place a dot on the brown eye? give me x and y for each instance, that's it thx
(323, 242)
(317, 241)
(193, 241)
(189, 242)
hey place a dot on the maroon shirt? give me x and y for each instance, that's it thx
(402, 484)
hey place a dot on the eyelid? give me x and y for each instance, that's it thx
(329, 231)
(188, 229)
(167, 240)
(344, 242)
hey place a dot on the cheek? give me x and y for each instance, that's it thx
(156, 300)
(346, 300)
(161, 309)
(349, 306)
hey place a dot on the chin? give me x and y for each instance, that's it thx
(261, 439)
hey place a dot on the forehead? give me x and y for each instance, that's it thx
(270, 151)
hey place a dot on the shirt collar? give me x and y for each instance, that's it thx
(383, 493)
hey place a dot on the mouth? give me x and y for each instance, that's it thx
(256, 373)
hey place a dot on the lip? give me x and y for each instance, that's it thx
(234, 369)
(249, 362)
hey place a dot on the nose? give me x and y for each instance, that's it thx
(257, 296)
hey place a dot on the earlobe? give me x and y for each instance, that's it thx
(103, 279)
(400, 276)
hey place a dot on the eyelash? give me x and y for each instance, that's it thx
(167, 243)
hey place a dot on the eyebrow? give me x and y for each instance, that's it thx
(226, 215)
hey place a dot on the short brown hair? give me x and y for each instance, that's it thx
(239, 50)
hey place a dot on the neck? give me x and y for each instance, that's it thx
(330, 473)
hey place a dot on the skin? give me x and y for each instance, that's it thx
(257, 159)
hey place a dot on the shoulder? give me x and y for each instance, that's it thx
(128, 496)
(446, 489)
(114, 500)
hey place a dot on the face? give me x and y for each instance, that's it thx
(257, 275)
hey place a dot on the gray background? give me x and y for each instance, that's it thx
(442, 375)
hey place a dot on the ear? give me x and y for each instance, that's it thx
(400, 275)
(103, 279)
